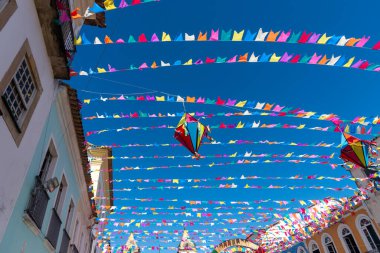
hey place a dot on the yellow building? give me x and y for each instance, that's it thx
(356, 232)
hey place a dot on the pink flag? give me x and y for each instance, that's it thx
(143, 66)
(214, 35)
(231, 102)
(314, 38)
(315, 58)
(362, 41)
(154, 38)
(200, 100)
(111, 69)
(283, 37)
(233, 59)
(286, 57)
(278, 108)
(120, 41)
(123, 4)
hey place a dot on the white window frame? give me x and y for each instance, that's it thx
(51, 167)
(324, 236)
(340, 234)
(25, 104)
(312, 242)
(359, 228)
(301, 249)
(59, 203)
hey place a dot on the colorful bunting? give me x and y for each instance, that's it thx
(246, 35)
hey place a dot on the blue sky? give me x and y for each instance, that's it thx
(346, 92)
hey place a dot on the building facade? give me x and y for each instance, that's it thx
(36, 47)
(102, 186)
(357, 232)
(27, 88)
(59, 219)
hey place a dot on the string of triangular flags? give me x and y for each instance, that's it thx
(245, 35)
(109, 5)
(220, 164)
(314, 59)
(240, 125)
(265, 108)
(236, 154)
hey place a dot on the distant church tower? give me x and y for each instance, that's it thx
(131, 246)
(186, 245)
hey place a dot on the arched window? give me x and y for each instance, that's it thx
(329, 244)
(300, 249)
(370, 233)
(349, 241)
(314, 248)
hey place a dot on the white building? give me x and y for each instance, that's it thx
(102, 176)
(35, 51)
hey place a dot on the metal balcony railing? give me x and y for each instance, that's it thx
(38, 203)
(65, 242)
(63, 8)
(54, 228)
(74, 248)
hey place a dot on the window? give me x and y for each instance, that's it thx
(48, 164)
(314, 248)
(69, 218)
(20, 90)
(61, 196)
(301, 250)
(329, 245)
(39, 198)
(45, 166)
(349, 241)
(7, 8)
(370, 233)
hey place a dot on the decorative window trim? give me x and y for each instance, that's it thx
(323, 237)
(311, 243)
(359, 228)
(340, 234)
(6, 12)
(18, 131)
(301, 249)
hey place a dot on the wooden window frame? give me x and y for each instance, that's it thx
(18, 131)
(7, 12)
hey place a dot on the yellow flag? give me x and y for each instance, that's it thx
(240, 125)
(189, 62)
(274, 58)
(238, 36)
(109, 5)
(349, 63)
(101, 70)
(323, 39)
(241, 103)
(78, 41)
(166, 37)
(160, 99)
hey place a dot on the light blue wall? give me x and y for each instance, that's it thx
(18, 235)
(295, 248)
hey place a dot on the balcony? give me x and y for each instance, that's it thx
(38, 203)
(54, 228)
(57, 30)
(65, 242)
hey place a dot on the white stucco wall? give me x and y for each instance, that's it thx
(15, 161)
